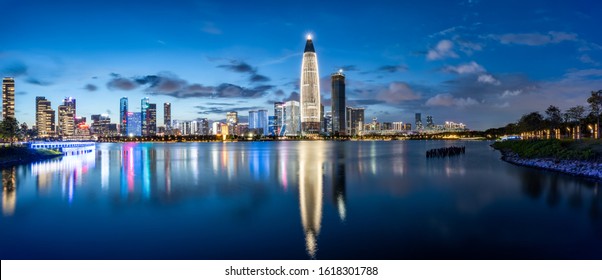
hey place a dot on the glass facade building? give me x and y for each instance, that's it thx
(310, 90)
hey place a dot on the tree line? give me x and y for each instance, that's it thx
(574, 122)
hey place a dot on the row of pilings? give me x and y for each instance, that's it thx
(445, 152)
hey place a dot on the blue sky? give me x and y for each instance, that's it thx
(484, 63)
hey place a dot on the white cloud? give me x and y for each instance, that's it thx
(468, 68)
(587, 59)
(534, 39)
(210, 28)
(443, 49)
(447, 100)
(511, 93)
(488, 79)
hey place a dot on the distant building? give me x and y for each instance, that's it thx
(203, 126)
(232, 118)
(418, 121)
(338, 103)
(101, 125)
(167, 116)
(134, 121)
(429, 122)
(292, 119)
(45, 117)
(216, 128)
(278, 121)
(66, 119)
(8, 98)
(328, 122)
(123, 116)
(241, 129)
(143, 111)
(253, 120)
(262, 116)
(310, 90)
(355, 121)
(272, 126)
(151, 120)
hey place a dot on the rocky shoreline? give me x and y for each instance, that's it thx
(573, 167)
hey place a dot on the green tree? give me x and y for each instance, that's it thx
(531, 122)
(554, 116)
(595, 103)
(575, 114)
(9, 129)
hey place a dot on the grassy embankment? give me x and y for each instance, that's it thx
(20, 155)
(587, 150)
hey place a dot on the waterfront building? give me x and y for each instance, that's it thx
(144, 103)
(66, 120)
(338, 103)
(292, 119)
(167, 116)
(262, 117)
(216, 128)
(134, 122)
(418, 121)
(45, 117)
(278, 117)
(241, 129)
(310, 90)
(232, 118)
(328, 122)
(151, 120)
(355, 121)
(429, 122)
(253, 120)
(8, 98)
(101, 125)
(123, 116)
(272, 126)
(203, 126)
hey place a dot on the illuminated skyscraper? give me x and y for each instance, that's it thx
(253, 120)
(338, 103)
(8, 98)
(151, 119)
(143, 111)
(262, 118)
(167, 116)
(355, 121)
(278, 120)
(291, 119)
(418, 121)
(67, 117)
(123, 116)
(310, 90)
(232, 118)
(45, 117)
(134, 122)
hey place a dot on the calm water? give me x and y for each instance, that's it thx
(295, 200)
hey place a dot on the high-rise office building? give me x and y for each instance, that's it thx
(67, 115)
(232, 118)
(123, 116)
(310, 90)
(292, 119)
(429, 122)
(151, 120)
(45, 117)
(262, 117)
(143, 111)
(278, 117)
(101, 124)
(134, 122)
(355, 121)
(8, 98)
(167, 116)
(253, 120)
(338, 103)
(418, 121)
(203, 126)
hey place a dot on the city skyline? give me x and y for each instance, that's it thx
(467, 61)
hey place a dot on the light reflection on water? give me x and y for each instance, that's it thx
(381, 200)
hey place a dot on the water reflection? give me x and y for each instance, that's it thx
(311, 162)
(9, 195)
(338, 181)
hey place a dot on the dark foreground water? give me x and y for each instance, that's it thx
(295, 200)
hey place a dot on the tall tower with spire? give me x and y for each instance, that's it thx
(310, 90)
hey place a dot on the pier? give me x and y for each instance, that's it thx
(445, 152)
(67, 148)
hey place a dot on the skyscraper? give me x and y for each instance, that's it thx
(143, 111)
(232, 118)
(262, 117)
(123, 116)
(355, 121)
(44, 117)
(253, 120)
(151, 119)
(338, 103)
(167, 116)
(67, 117)
(310, 90)
(291, 120)
(134, 123)
(8, 98)
(278, 107)
(418, 121)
